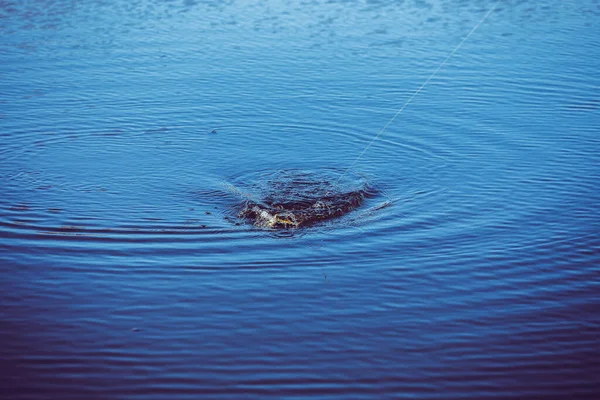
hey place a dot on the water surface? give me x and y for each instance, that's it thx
(131, 131)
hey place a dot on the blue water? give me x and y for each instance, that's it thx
(132, 132)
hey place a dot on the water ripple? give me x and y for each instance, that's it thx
(132, 131)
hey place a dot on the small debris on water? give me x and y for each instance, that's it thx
(135, 329)
(208, 213)
(202, 226)
(213, 131)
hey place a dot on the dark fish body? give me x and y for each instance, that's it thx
(298, 198)
(302, 213)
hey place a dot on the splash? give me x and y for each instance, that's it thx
(293, 199)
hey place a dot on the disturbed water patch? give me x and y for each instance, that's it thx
(298, 198)
(293, 214)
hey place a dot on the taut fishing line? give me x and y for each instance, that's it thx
(411, 98)
(270, 217)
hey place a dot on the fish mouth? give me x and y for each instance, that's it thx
(266, 218)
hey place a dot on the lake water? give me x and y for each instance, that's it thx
(132, 132)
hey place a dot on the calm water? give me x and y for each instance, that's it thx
(471, 272)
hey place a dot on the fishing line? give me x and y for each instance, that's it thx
(411, 98)
(406, 103)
